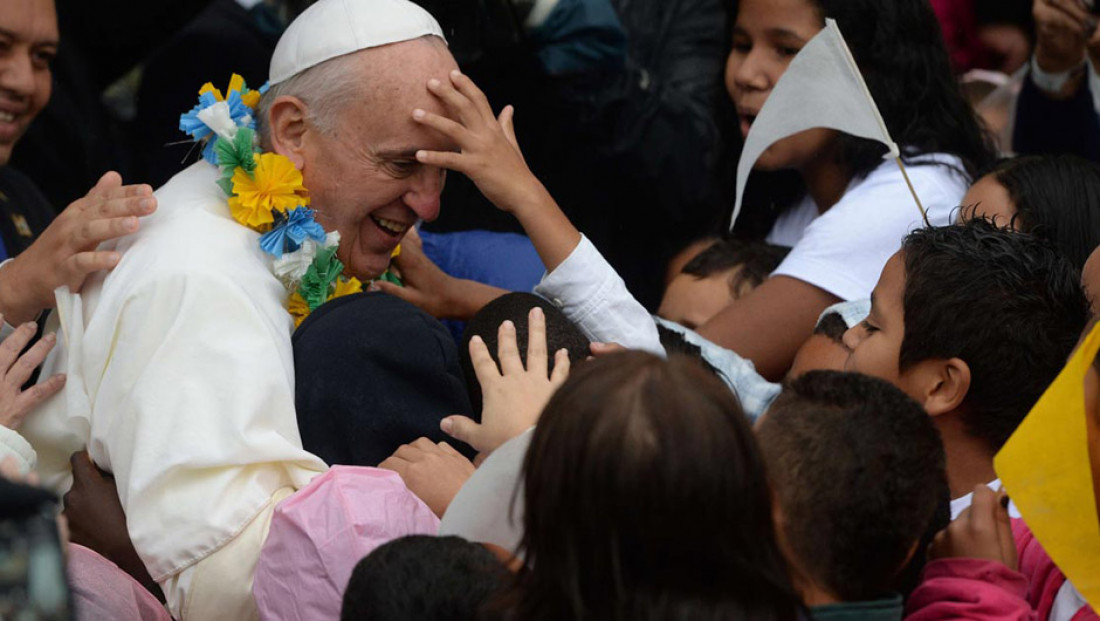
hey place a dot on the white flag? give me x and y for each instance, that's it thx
(822, 87)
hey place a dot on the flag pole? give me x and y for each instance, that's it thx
(923, 212)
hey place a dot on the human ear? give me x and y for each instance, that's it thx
(288, 128)
(945, 385)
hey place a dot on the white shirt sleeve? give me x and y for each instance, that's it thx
(13, 445)
(843, 250)
(593, 296)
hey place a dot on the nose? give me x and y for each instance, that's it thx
(17, 74)
(853, 337)
(423, 196)
(748, 70)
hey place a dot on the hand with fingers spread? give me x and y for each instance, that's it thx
(434, 472)
(982, 531)
(513, 396)
(15, 402)
(490, 156)
(65, 253)
(1065, 29)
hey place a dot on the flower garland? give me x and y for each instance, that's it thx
(266, 194)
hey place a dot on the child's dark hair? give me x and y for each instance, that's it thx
(858, 471)
(423, 578)
(832, 326)
(560, 333)
(1057, 197)
(902, 57)
(646, 499)
(1006, 303)
(757, 261)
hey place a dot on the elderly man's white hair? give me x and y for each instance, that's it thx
(312, 60)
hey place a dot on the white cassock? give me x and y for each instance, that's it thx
(180, 380)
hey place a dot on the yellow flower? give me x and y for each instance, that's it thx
(396, 252)
(274, 185)
(236, 83)
(251, 99)
(346, 287)
(298, 308)
(209, 88)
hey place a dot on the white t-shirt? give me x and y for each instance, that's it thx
(844, 249)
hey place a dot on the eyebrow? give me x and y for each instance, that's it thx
(11, 35)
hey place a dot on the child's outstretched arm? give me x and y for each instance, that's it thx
(490, 156)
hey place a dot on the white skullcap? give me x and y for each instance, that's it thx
(332, 28)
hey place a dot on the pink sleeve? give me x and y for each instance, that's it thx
(103, 591)
(966, 588)
(321, 532)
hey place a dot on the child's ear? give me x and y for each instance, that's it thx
(942, 385)
(288, 128)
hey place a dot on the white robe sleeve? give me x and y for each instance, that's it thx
(193, 409)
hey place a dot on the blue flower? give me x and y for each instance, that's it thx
(189, 121)
(287, 236)
(239, 112)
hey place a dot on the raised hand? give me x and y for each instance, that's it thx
(982, 531)
(489, 154)
(513, 396)
(16, 369)
(65, 253)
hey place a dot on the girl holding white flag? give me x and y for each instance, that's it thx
(855, 207)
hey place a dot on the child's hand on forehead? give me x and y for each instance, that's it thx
(513, 395)
(488, 152)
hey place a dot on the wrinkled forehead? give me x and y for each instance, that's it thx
(32, 21)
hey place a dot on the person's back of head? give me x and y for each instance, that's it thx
(646, 499)
(423, 578)
(857, 469)
(1006, 303)
(1055, 197)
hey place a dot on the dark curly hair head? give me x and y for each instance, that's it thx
(1005, 303)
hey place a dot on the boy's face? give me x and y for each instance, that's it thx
(875, 343)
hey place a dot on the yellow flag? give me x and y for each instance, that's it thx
(1045, 468)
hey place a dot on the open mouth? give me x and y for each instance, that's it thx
(7, 117)
(392, 227)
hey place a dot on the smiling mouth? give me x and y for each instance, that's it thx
(6, 117)
(390, 226)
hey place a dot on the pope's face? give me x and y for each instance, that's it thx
(363, 177)
(28, 42)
